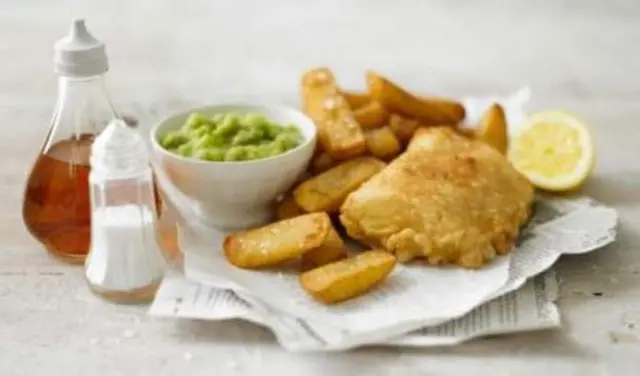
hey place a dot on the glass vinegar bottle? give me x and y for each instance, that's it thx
(56, 204)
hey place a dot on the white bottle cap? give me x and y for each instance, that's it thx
(79, 54)
(119, 152)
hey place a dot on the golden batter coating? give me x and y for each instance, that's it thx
(448, 199)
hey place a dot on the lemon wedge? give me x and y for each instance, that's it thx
(554, 150)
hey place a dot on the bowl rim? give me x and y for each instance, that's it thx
(187, 112)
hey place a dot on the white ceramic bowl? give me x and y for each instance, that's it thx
(237, 195)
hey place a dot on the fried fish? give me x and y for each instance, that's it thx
(448, 199)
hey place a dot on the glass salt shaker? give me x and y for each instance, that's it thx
(56, 198)
(125, 262)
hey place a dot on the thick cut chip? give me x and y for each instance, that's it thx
(277, 242)
(403, 127)
(322, 162)
(304, 176)
(287, 208)
(428, 110)
(333, 249)
(338, 131)
(356, 99)
(371, 115)
(493, 128)
(469, 133)
(382, 143)
(328, 190)
(349, 278)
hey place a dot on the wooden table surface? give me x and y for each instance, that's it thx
(165, 55)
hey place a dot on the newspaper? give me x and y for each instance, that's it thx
(530, 308)
(414, 297)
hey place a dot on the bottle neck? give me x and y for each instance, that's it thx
(87, 92)
(83, 109)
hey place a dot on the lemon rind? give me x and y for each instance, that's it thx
(586, 163)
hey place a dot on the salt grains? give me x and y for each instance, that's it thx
(125, 263)
(125, 254)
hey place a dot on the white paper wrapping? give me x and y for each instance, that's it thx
(414, 297)
(454, 304)
(530, 308)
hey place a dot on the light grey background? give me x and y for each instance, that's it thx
(577, 55)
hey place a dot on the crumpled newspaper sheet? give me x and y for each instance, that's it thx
(529, 308)
(275, 300)
(413, 297)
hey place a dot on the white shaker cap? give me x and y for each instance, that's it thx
(79, 54)
(119, 151)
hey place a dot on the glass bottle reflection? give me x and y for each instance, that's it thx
(56, 206)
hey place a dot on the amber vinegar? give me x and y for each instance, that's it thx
(56, 207)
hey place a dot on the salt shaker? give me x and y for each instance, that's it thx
(125, 262)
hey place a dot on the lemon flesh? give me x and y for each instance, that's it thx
(554, 150)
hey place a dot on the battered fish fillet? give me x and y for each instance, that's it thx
(448, 199)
